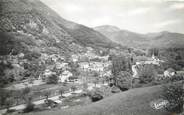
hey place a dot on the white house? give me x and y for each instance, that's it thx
(153, 60)
(48, 72)
(135, 71)
(169, 72)
(61, 65)
(84, 65)
(107, 73)
(75, 58)
(64, 76)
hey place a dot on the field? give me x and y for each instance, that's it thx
(133, 102)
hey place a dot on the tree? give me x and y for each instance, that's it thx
(3, 78)
(96, 78)
(25, 93)
(174, 93)
(153, 51)
(85, 86)
(146, 73)
(29, 105)
(173, 58)
(32, 55)
(8, 43)
(73, 88)
(33, 69)
(123, 80)
(74, 68)
(52, 79)
(61, 92)
(14, 74)
(6, 98)
(120, 63)
(9, 102)
(46, 94)
(17, 94)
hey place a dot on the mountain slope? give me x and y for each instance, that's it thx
(36, 26)
(127, 38)
(133, 102)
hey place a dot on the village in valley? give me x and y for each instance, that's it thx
(57, 78)
(70, 75)
(50, 65)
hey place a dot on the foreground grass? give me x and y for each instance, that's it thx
(132, 102)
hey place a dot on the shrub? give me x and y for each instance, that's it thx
(115, 89)
(95, 95)
(177, 77)
(174, 93)
(32, 55)
(51, 103)
(52, 79)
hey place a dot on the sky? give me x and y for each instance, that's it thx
(141, 16)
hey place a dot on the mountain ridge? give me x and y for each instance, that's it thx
(32, 22)
(162, 39)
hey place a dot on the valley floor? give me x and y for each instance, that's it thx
(132, 102)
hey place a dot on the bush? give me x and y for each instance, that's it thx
(52, 79)
(174, 93)
(115, 89)
(177, 77)
(32, 55)
(95, 95)
(51, 103)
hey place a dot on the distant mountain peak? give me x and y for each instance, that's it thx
(108, 28)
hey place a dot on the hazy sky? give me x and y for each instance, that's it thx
(140, 16)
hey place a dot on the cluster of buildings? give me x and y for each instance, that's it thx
(58, 66)
(154, 61)
(61, 68)
(94, 66)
